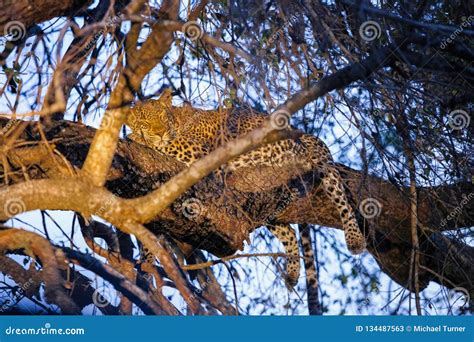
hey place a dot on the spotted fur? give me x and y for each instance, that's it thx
(287, 237)
(314, 304)
(188, 134)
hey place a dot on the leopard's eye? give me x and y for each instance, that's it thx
(144, 125)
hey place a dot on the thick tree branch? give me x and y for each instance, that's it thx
(36, 246)
(137, 170)
(121, 283)
(30, 13)
(151, 53)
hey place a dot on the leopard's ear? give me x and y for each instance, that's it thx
(166, 97)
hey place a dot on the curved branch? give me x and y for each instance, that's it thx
(31, 13)
(118, 280)
(105, 141)
(37, 246)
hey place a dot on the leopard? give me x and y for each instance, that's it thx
(188, 134)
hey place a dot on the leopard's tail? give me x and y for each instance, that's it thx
(314, 304)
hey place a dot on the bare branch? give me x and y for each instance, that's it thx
(36, 246)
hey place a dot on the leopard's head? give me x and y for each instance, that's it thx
(151, 121)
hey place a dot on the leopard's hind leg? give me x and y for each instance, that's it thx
(334, 189)
(287, 236)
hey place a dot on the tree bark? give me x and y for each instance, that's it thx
(230, 211)
(30, 13)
